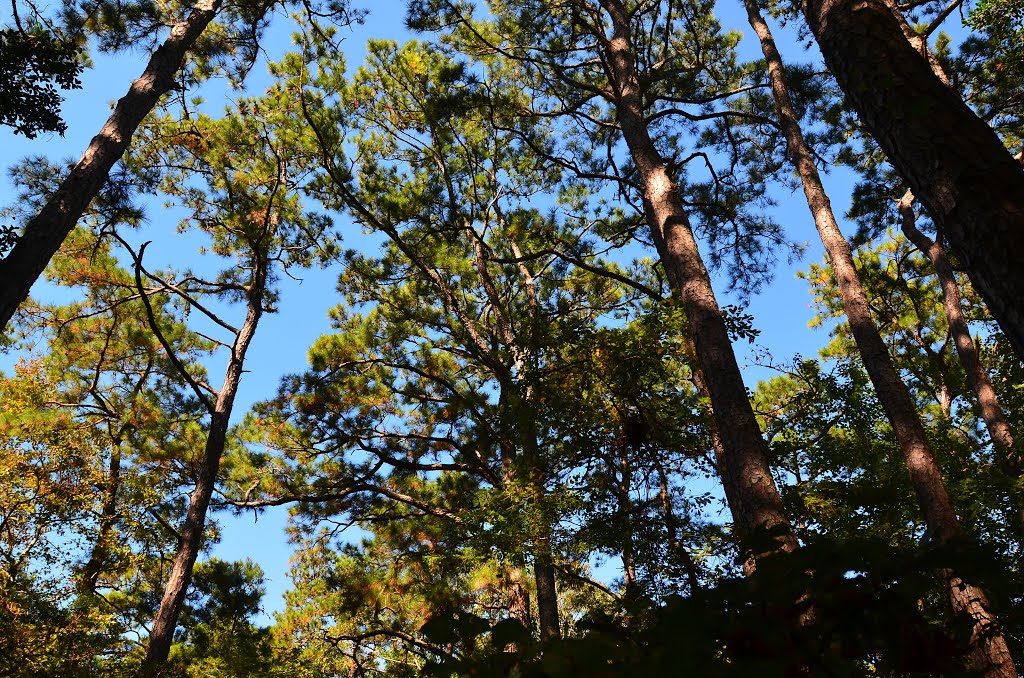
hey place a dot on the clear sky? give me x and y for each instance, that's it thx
(781, 312)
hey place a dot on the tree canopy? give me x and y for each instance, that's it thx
(539, 433)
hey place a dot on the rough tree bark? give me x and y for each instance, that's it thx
(989, 652)
(547, 593)
(746, 474)
(517, 394)
(977, 377)
(543, 557)
(543, 562)
(45, 232)
(954, 163)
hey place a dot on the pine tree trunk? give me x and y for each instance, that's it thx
(518, 594)
(977, 376)
(543, 558)
(954, 163)
(749, 486)
(543, 564)
(45, 232)
(189, 546)
(547, 594)
(517, 590)
(191, 533)
(991, 656)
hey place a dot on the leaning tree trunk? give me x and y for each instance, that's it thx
(977, 376)
(951, 159)
(988, 650)
(45, 232)
(190, 539)
(746, 475)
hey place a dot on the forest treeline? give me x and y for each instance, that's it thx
(528, 372)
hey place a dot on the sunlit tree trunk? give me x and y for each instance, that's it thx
(45, 232)
(951, 159)
(989, 652)
(746, 474)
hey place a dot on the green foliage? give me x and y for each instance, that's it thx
(469, 379)
(101, 421)
(1002, 21)
(34, 64)
(907, 305)
(49, 464)
(866, 599)
(986, 68)
(217, 636)
(685, 67)
(501, 389)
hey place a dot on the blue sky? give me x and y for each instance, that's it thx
(781, 311)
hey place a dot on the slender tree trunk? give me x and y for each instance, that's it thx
(512, 472)
(918, 42)
(543, 561)
(191, 533)
(517, 590)
(991, 654)
(516, 587)
(951, 159)
(45, 232)
(543, 558)
(90, 574)
(977, 377)
(749, 486)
